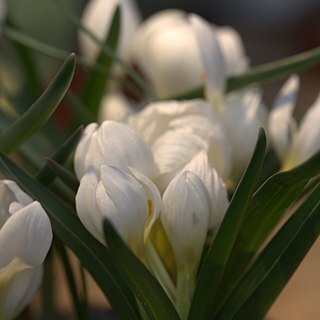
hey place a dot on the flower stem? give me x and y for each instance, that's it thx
(185, 289)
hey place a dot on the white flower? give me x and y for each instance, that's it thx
(216, 189)
(170, 45)
(130, 201)
(294, 144)
(185, 218)
(97, 17)
(116, 144)
(25, 238)
(154, 119)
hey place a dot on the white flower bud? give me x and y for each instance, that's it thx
(130, 205)
(114, 144)
(185, 218)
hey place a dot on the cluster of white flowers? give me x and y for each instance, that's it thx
(171, 163)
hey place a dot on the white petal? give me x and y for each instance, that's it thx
(153, 120)
(122, 199)
(185, 217)
(281, 124)
(28, 235)
(154, 200)
(173, 150)
(214, 67)
(216, 189)
(86, 206)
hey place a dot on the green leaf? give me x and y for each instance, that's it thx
(264, 73)
(271, 259)
(211, 273)
(275, 70)
(147, 289)
(37, 115)
(46, 176)
(267, 206)
(94, 256)
(95, 83)
(61, 172)
(266, 278)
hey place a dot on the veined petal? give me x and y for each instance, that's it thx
(185, 217)
(113, 143)
(173, 150)
(213, 63)
(28, 235)
(216, 189)
(122, 199)
(154, 119)
(281, 124)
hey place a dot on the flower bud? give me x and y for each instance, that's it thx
(114, 144)
(130, 205)
(185, 217)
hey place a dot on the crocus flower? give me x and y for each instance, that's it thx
(185, 219)
(116, 144)
(293, 144)
(167, 50)
(130, 201)
(97, 17)
(25, 238)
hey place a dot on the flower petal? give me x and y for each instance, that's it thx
(281, 124)
(28, 235)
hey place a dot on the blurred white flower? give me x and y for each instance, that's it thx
(25, 238)
(97, 17)
(293, 144)
(130, 201)
(116, 144)
(115, 106)
(241, 115)
(169, 48)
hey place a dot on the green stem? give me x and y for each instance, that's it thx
(185, 290)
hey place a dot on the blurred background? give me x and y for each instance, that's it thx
(270, 29)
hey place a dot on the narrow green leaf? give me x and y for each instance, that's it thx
(147, 289)
(63, 174)
(275, 70)
(268, 259)
(46, 176)
(37, 115)
(264, 73)
(267, 206)
(211, 273)
(94, 256)
(95, 85)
